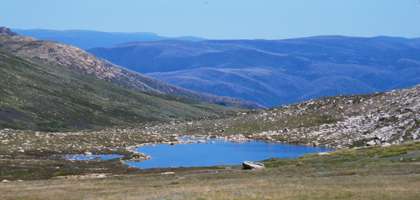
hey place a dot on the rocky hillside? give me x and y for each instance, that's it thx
(50, 87)
(339, 122)
(380, 119)
(342, 121)
(275, 72)
(51, 53)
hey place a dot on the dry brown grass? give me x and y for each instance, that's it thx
(229, 185)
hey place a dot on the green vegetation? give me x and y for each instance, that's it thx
(28, 168)
(51, 98)
(401, 159)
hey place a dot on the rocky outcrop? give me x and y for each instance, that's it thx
(6, 31)
(252, 165)
(383, 119)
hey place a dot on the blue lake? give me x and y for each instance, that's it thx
(216, 153)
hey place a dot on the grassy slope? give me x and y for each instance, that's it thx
(53, 98)
(369, 173)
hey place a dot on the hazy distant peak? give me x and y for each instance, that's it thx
(87, 39)
(7, 31)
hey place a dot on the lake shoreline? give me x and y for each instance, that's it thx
(359, 172)
(54, 153)
(213, 151)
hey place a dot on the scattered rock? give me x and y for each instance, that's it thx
(167, 173)
(252, 165)
(324, 153)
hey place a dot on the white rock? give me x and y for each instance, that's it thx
(371, 143)
(167, 173)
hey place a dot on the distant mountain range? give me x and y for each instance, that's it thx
(51, 86)
(270, 72)
(86, 39)
(274, 72)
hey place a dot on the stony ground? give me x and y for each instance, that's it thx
(380, 119)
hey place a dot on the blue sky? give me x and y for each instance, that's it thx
(220, 19)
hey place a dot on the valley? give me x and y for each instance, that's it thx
(340, 122)
(58, 100)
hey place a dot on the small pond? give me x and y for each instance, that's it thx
(85, 157)
(217, 152)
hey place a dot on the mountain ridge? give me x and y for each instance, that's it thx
(87, 39)
(314, 65)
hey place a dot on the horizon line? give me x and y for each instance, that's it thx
(209, 38)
